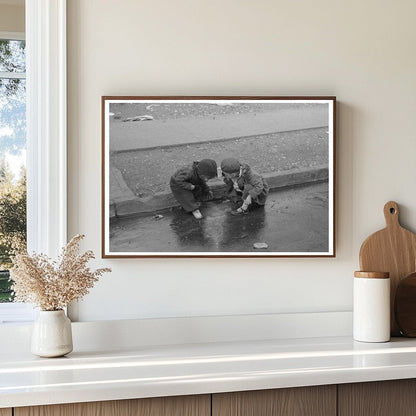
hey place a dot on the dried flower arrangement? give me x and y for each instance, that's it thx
(53, 285)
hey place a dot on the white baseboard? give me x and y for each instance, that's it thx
(127, 334)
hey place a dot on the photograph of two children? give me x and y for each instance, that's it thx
(218, 176)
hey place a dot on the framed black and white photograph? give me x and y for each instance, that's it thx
(218, 176)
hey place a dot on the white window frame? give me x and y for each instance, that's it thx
(46, 133)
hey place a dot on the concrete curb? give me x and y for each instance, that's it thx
(125, 203)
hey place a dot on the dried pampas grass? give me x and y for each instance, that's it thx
(53, 285)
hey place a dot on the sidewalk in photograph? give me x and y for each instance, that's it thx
(294, 220)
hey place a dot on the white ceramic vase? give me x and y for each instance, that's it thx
(52, 334)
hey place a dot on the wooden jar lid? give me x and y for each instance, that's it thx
(372, 275)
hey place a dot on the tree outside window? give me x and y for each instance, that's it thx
(12, 155)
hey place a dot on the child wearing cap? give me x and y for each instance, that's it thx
(189, 185)
(244, 185)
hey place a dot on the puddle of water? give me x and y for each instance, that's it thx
(293, 220)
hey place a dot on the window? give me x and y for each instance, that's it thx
(12, 153)
(12, 165)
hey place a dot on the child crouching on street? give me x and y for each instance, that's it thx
(244, 186)
(189, 185)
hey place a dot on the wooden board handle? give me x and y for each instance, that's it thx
(391, 214)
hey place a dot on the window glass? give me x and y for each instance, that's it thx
(12, 155)
(12, 55)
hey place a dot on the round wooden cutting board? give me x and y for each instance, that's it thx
(405, 305)
(393, 250)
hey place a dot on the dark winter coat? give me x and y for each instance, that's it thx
(250, 183)
(180, 185)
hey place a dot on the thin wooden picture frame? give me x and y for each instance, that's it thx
(287, 143)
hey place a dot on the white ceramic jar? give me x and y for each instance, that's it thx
(371, 309)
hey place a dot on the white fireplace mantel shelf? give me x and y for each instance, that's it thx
(198, 368)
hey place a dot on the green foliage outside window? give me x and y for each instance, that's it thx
(12, 223)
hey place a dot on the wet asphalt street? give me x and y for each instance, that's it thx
(293, 220)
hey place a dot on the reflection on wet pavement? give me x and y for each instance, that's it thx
(189, 231)
(235, 230)
(294, 220)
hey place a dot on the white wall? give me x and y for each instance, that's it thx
(12, 17)
(361, 51)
